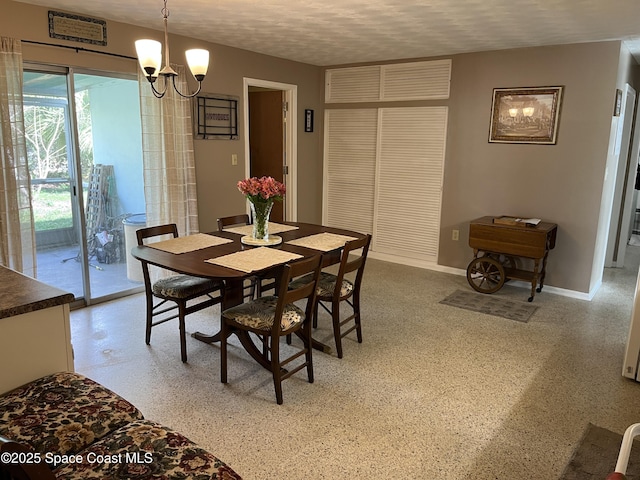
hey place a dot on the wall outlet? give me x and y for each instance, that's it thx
(234, 159)
(455, 234)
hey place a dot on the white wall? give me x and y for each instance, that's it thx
(117, 139)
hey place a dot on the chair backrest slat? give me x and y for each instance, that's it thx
(295, 270)
(233, 220)
(158, 230)
(348, 265)
(150, 232)
(308, 290)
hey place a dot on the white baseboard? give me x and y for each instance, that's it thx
(429, 265)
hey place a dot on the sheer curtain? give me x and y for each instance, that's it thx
(168, 159)
(17, 231)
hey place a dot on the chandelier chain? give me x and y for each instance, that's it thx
(165, 10)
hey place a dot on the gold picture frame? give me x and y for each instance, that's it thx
(618, 106)
(525, 115)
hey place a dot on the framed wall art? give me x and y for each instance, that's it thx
(308, 120)
(618, 105)
(215, 117)
(525, 115)
(77, 28)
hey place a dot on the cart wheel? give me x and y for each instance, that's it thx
(485, 274)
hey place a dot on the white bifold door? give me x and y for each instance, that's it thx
(383, 173)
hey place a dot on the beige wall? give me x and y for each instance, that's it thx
(216, 177)
(562, 183)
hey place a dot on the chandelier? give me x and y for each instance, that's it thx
(150, 57)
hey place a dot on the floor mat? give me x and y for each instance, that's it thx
(485, 303)
(597, 454)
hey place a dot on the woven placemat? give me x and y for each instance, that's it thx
(254, 259)
(485, 303)
(189, 243)
(322, 241)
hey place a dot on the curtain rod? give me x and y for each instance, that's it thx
(79, 49)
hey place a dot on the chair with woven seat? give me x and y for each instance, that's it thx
(334, 289)
(182, 290)
(257, 284)
(272, 317)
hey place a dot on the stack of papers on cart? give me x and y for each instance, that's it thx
(529, 222)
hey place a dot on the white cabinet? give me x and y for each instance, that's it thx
(35, 335)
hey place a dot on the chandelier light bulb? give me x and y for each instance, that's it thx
(149, 56)
(198, 61)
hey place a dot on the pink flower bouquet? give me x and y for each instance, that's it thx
(261, 189)
(261, 193)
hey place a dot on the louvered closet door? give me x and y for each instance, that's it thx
(409, 186)
(349, 168)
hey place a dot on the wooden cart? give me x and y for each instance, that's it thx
(499, 249)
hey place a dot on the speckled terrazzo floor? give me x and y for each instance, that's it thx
(434, 391)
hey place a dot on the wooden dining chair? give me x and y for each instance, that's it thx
(272, 317)
(333, 289)
(257, 285)
(184, 291)
(234, 220)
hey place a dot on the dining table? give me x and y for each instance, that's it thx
(229, 256)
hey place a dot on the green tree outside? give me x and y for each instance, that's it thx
(46, 134)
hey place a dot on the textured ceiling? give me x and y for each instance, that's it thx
(332, 32)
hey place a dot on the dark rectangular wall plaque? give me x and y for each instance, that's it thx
(77, 28)
(308, 120)
(216, 117)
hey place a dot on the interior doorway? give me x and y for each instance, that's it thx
(271, 139)
(627, 161)
(267, 117)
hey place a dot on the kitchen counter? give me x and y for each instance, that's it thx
(22, 294)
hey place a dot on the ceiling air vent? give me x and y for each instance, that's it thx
(416, 81)
(357, 84)
(428, 80)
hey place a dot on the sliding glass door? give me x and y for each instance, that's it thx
(85, 158)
